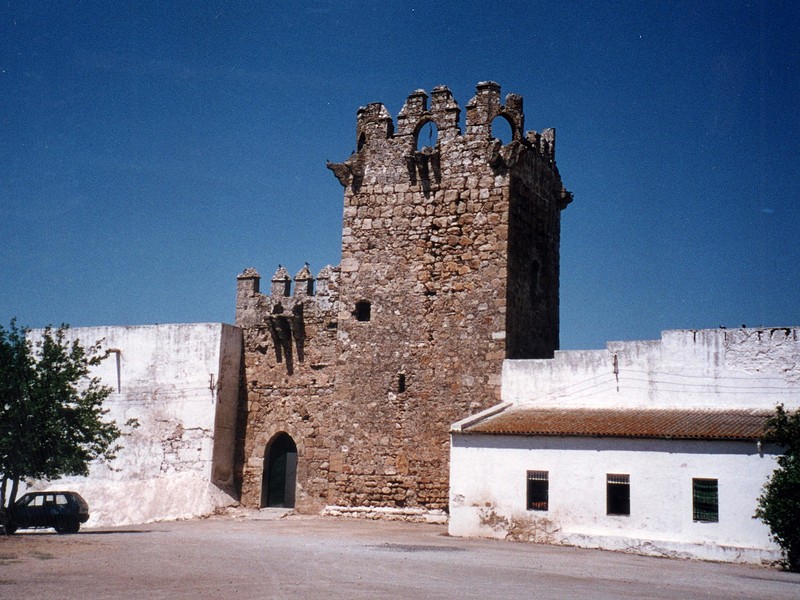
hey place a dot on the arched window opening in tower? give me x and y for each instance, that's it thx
(502, 130)
(427, 136)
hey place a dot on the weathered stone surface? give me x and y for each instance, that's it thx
(450, 261)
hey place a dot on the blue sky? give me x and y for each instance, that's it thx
(149, 152)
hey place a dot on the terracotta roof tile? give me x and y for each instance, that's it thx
(640, 423)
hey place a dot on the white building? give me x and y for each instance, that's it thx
(181, 383)
(652, 447)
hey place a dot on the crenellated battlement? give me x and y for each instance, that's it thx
(318, 293)
(444, 113)
(379, 141)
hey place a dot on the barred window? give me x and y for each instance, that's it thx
(538, 490)
(705, 500)
(618, 494)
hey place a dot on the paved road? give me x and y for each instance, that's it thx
(303, 557)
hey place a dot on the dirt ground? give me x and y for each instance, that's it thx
(248, 557)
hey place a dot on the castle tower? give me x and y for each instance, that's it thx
(455, 250)
(450, 264)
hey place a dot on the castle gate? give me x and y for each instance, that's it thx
(280, 472)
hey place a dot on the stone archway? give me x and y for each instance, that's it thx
(280, 472)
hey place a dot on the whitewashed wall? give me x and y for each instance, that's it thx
(488, 494)
(721, 368)
(707, 368)
(180, 381)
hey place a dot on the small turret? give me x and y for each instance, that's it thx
(281, 283)
(326, 281)
(304, 282)
(247, 297)
(446, 112)
(483, 107)
(373, 122)
(248, 283)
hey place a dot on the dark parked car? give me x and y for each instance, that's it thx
(64, 511)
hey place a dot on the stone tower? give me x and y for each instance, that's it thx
(450, 263)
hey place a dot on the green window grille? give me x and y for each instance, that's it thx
(538, 490)
(705, 500)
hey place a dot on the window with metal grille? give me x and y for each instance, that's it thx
(705, 500)
(538, 490)
(618, 494)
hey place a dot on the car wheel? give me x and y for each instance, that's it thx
(10, 528)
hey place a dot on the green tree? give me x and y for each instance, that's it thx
(779, 504)
(51, 415)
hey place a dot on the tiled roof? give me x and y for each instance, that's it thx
(625, 422)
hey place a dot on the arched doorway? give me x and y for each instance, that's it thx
(280, 472)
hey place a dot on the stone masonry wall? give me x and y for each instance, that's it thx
(449, 265)
(290, 358)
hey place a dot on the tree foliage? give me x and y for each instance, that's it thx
(51, 415)
(779, 504)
